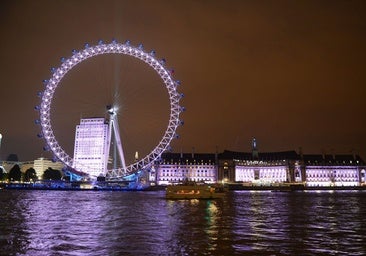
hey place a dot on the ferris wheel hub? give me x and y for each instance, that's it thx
(112, 110)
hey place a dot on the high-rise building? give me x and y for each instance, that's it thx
(90, 148)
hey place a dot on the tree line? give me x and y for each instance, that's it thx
(29, 175)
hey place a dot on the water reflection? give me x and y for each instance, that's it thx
(144, 223)
(196, 226)
(13, 236)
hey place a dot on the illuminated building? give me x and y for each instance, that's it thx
(258, 168)
(91, 146)
(333, 170)
(270, 168)
(41, 164)
(178, 167)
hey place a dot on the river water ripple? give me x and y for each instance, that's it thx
(144, 223)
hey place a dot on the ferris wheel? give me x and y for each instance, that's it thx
(102, 48)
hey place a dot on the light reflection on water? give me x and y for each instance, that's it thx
(144, 223)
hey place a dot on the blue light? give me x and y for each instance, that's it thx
(86, 45)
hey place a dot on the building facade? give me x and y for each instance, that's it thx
(178, 167)
(90, 149)
(260, 168)
(272, 168)
(256, 168)
(41, 164)
(333, 170)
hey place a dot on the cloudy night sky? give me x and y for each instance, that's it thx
(289, 73)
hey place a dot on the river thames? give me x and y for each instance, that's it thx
(145, 223)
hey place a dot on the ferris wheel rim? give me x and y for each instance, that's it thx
(101, 49)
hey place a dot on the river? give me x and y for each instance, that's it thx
(145, 223)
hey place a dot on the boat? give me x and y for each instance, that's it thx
(192, 190)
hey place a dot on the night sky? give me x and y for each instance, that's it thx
(289, 73)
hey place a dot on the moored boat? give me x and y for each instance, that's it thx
(191, 190)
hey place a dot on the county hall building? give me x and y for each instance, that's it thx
(260, 168)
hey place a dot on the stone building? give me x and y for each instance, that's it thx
(178, 167)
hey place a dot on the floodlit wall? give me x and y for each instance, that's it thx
(261, 174)
(172, 173)
(41, 164)
(332, 175)
(90, 146)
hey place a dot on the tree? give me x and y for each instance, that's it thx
(15, 173)
(2, 173)
(30, 174)
(51, 174)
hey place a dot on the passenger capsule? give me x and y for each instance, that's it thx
(162, 62)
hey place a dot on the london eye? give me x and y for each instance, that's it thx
(116, 48)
